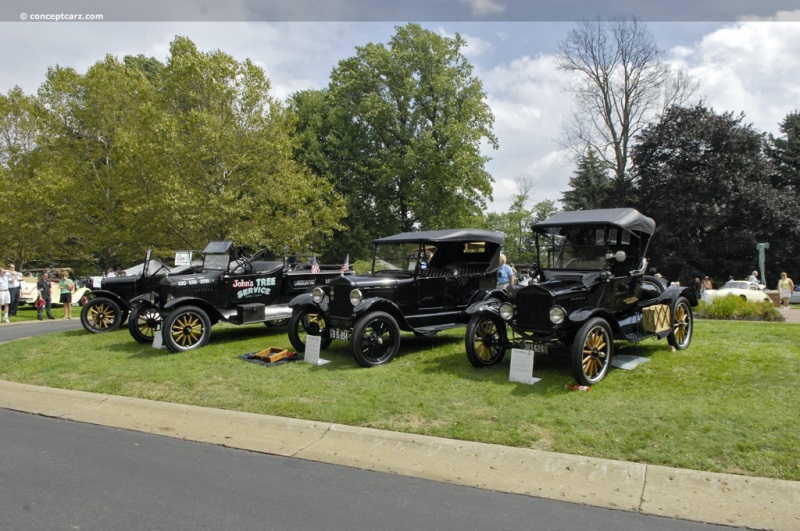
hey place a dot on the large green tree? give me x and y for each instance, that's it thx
(401, 130)
(785, 152)
(590, 186)
(705, 179)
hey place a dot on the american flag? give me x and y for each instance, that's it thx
(314, 265)
(346, 264)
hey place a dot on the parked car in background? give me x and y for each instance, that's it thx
(228, 287)
(421, 282)
(29, 292)
(589, 290)
(744, 289)
(795, 297)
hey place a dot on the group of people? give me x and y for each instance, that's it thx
(11, 286)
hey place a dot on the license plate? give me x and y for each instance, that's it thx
(343, 335)
(539, 348)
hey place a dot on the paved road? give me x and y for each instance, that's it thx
(57, 474)
(23, 329)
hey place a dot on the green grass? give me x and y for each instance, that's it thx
(727, 404)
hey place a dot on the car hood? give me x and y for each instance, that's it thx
(364, 281)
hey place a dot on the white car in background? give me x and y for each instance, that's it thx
(738, 288)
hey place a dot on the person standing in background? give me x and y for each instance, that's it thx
(14, 287)
(5, 298)
(44, 285)
(67, 286)
(785, 288)
(505, 275)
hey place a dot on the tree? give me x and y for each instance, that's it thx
(590, 186)
(404, 125)
(620, 83)
(24, 199)
(785, 152)
(705, 180)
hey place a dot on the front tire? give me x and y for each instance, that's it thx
(307, 322)
(143, 323)
(101, 314)
(592, 350)
(186, 328)
(376, 339)
(682, 325)
(485, 341)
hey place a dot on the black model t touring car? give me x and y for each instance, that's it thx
(421, 282)
(227, 287)
(590, 290)
(109, 302)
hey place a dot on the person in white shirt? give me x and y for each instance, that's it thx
(14, 278)
(5, 298)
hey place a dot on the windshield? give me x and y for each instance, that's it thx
(395, 257)
(216, 261)
(583, 248)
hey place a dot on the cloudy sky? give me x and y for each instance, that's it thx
(746, 56)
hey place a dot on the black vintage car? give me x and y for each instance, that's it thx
(109, 302)
(227, 287)
(589, 289)
(421, 282)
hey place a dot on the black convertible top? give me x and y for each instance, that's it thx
(447, 235)
(628, 218)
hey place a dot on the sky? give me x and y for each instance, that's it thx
(744, 54)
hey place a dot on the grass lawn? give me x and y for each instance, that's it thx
(727, 404)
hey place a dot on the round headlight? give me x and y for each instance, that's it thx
(356, 297)
(318, 294)
(557, 315)
(506, 311)
(170, 298)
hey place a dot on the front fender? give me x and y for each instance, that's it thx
(379, 305)
(306, 299)
(110, 295)
(488, 305)
(212, 312)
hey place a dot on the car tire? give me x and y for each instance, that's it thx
(277, 323)
(143, 323)
(485, 341)
(592, 351)
(307, 322)
(186, 328)
(376, 339)
(655, 283)
(101, 314)
(682, 324)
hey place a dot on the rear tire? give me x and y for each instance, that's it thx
(143, 323)
(307, 322)
(682, 325)
(101, 314)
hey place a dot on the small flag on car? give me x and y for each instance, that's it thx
(346, 264)
(314, 265)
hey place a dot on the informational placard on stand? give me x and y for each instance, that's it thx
(522, 366)
(183, 258)
(158, 339)
(312, 351)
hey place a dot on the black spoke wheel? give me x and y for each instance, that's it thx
(376, 339)
(485, 341)
(101, 314)
(682, 324)
(592, 350)
(186, 328)
(143, 323)
(306, 322)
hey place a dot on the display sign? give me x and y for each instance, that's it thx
(311, 356)
(522, 366)
(183, 258)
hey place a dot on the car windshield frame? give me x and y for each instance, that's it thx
(585, 247)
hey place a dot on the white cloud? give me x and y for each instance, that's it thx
(749, 67)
